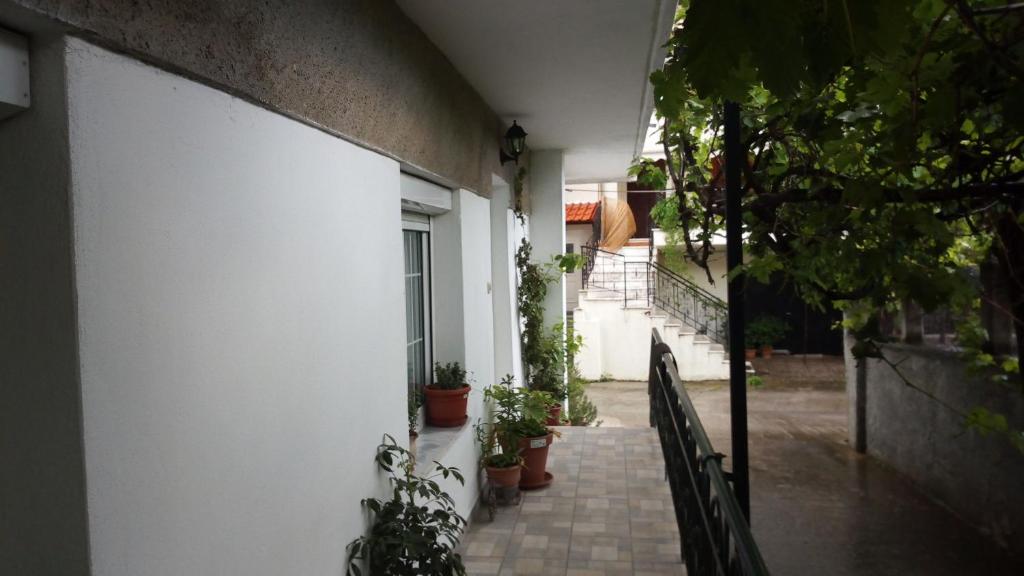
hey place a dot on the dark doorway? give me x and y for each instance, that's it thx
(641, 202)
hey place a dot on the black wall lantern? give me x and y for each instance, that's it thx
(515, 141)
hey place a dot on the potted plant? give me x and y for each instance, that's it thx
(499, 449)
(414, 421)
(765, 331)
(447, 396)
(416, 530)
(520, 428)
(534, 437)
(547, 373)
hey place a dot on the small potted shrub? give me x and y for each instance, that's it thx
(550, 380)
(547, 372)
(765, 331)
(447, 396)
(417, 529)
(520, 428)
(414, 420)
(534, 438)
(750, 352)
(499, 449)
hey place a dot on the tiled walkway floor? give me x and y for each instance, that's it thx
(608, 512)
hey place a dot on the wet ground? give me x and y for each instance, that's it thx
(817, 506)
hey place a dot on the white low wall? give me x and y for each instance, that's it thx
(617, 341)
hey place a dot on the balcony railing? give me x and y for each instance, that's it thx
(715, 536)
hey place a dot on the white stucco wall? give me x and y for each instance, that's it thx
(239, 285)
(719, 273)
(577, 235)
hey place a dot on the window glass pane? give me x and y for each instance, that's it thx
(416, 276)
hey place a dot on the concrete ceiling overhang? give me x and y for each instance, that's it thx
(574, 73)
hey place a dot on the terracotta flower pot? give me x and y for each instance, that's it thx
(504, 477)
(750, 353)
(555, 415)
(766, 352)
(535, 461)
(446, 408)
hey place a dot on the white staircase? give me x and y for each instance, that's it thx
(615, 316)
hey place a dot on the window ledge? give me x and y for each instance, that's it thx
(433, 444)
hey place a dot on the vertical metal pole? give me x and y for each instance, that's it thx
(734, 159)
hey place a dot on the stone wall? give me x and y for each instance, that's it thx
(359, 69)
(917, 430)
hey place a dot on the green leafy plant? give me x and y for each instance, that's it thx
(415, 401)
(497, 438)
(517, 194)
(450, 376)
(765, 331)
(544, 351)
(517, 413)
(491, 452)
(533, 413)
(881, 138)
(416, 531)
(582, 411)
(755, 381)
(548, 373)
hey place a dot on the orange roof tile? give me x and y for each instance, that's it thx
(581, 213)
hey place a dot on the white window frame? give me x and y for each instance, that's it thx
(416, 222)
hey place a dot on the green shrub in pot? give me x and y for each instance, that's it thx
(417, 529)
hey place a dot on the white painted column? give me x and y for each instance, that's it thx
(547, 222)
(477, 289)
(502, 259)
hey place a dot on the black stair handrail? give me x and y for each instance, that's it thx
(715, 537)
(691, 286)
(619, 264)
(695, 306)
(590, 253)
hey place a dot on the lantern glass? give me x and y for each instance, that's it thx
(516, 139)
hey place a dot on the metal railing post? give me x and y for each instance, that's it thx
(735, 159)
(625, 286)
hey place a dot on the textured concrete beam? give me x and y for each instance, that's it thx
(359, 69)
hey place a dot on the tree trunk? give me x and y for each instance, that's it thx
(1009, 250)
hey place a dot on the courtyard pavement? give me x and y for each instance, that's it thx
(608, 512)
(818, 508)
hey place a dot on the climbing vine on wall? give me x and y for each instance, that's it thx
(517, 194)
(543, 349)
